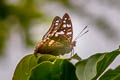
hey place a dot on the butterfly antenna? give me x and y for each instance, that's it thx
(81, 33)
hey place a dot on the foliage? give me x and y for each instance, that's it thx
(49, 67)
(111, 74)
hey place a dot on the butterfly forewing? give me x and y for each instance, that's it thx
(53, 29)
(65, 29)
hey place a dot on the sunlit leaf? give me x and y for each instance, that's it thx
(23, 69)
(59, 70)
(94, 66)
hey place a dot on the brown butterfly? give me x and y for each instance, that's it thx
(58, 40)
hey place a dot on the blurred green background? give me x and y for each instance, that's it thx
(24, 22)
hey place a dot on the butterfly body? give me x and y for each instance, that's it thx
(58, 40)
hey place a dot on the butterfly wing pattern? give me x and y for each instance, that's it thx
(58, 40)
(65, 31)
(54, 27)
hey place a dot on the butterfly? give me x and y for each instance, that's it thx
(58, 40)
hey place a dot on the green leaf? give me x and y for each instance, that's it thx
(69, 72)
(94, 66)
(86, 69)
(76, 57)
(24, 67)
(111, 74)
(107, 60)
(46, 57)
(42, 71)
(60, 69)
